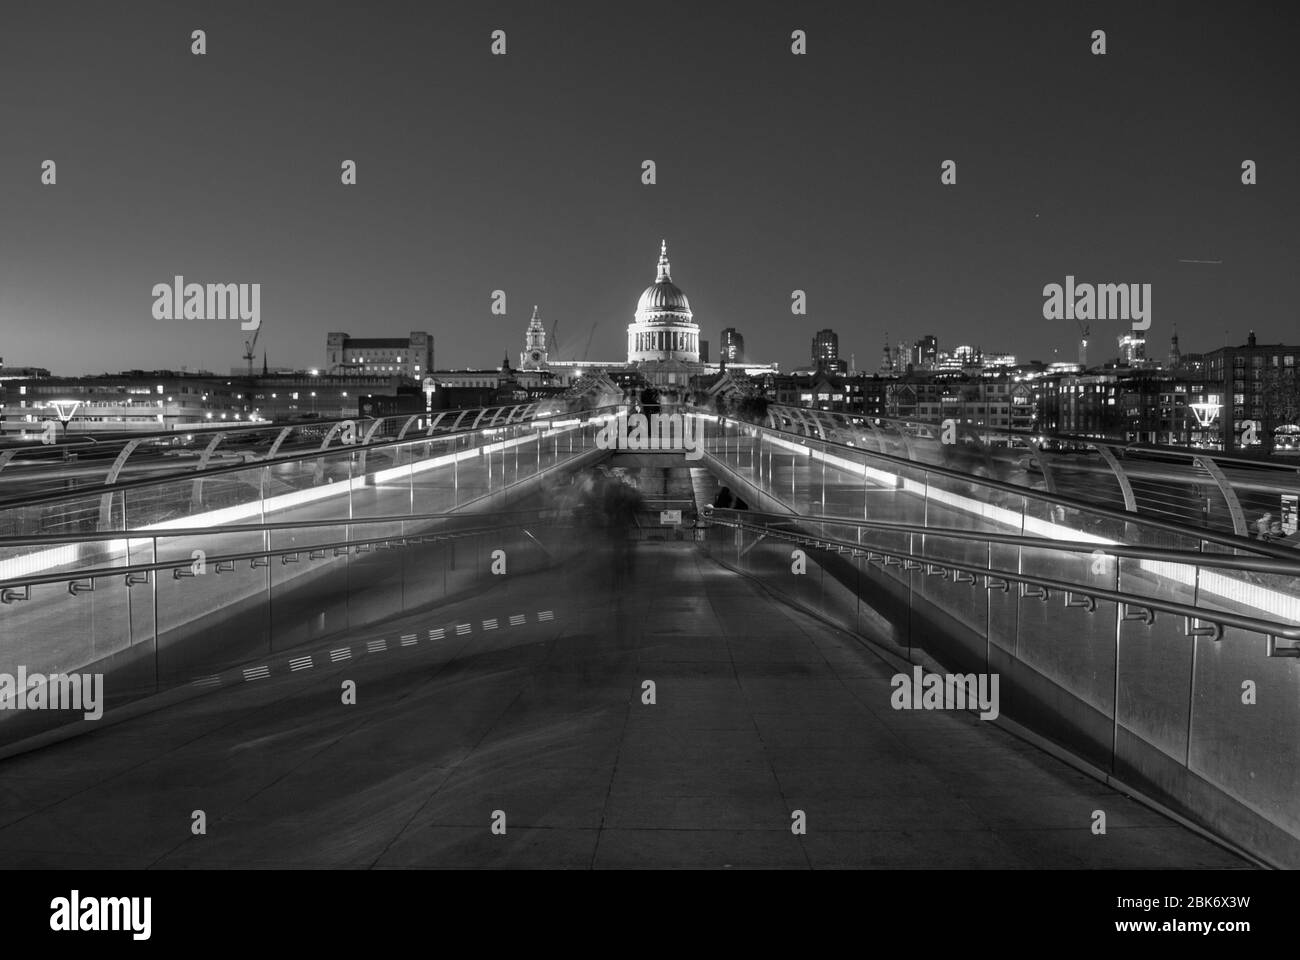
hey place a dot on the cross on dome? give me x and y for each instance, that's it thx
(664, 269)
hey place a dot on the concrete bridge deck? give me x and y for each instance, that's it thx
(761, 710)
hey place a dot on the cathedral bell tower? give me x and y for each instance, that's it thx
(534, 356)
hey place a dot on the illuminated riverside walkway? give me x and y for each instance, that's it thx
(1121, 642)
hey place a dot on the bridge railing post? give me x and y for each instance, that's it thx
(1117, 469)
(455, 470)
(822, 458)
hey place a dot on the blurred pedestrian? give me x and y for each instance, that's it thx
(649, 401)
(621, 505)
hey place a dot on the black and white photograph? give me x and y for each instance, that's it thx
(652, 437)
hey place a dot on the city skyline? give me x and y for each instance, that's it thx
(606, 435)
(528, 179)
(904, 349)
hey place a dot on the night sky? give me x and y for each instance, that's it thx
(775, 172)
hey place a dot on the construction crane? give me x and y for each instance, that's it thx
(249, 347)
(1084, 329)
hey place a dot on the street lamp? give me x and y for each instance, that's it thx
(65, 410)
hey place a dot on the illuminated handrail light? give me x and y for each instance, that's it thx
(44, 560)
(1285, 606)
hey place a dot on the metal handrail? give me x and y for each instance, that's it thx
(1223, 618)
(1222, 561)
(180, 563)
(79, 441)
(145, 533)
(1223, 539)
(1123, 462)
(269, 428)
(101, 490)
(272, 427)
(1030, 437)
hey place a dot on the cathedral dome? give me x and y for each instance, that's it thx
(663, 330)
(663, 296)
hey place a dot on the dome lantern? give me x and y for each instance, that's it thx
(665, 271)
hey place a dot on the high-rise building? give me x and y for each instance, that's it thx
(826, 351)
(925, 353)
(1260, 386)
(825, 347)
(962, 357)
(1133, 349)
(732, 349)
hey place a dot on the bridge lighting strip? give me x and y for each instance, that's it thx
(66, 555)
(1273, 602)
